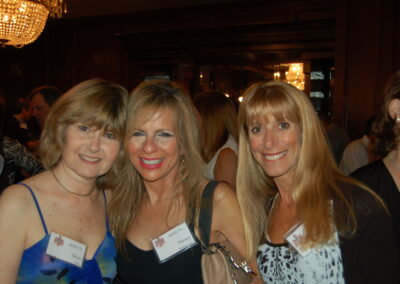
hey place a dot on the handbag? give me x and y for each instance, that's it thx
(221, 262)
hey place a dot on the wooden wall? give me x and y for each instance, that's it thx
(237, 40)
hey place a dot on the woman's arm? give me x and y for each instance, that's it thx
(227, 218)
(13, 213)
(226, 167)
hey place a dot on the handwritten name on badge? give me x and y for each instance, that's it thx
(66, 249)
(173, 242)
(295, 238)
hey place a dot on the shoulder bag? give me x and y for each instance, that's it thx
(221, 263)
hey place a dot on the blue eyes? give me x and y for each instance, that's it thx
(281, 125)
(160, 134)
(85, 128)
(138, 133)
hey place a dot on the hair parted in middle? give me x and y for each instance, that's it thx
(315, 177)
(145, 100)
(96, 102)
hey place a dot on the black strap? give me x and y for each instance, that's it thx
(205, 216)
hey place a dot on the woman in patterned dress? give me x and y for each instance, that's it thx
(304, 220)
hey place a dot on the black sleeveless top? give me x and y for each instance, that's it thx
(142, 267)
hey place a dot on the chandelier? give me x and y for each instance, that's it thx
(22, 21)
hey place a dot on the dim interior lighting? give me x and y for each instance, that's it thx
(227, 95)
(22, 21)
(240, 99)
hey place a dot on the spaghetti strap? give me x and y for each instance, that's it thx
(37, 206)
(105, 202)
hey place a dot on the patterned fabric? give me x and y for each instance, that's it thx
(283, 265)
(18, 156)
(38, 268)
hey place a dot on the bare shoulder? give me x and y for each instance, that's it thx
(15, 203)
(227, 153)
(223, 191)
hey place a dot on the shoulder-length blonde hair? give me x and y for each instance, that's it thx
(153, 96)
(316, 174)
(218, 121)
(96, 102)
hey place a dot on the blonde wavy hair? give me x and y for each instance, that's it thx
(149, 97)
(316, 175)
(96, 102)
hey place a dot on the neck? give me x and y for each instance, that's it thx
(158, 195)
(73, 185)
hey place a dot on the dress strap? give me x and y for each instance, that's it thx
(37, 206)
(105, 202)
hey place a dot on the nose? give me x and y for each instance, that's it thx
(269, 139)
(95, 141)
(149, 145)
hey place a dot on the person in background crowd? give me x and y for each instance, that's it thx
(220, 135)
(305, 221)
(18, 161)
(338, 139)
(359, 152)
(383, 175)
(16, 125)
(41, 99)
(161, 187)
(65, 206)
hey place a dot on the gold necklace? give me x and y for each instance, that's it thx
(70, 191)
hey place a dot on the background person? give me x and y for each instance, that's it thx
(383, 175)
(79, 144)
(360, 151)
(219, 135)
(161, 187)
(305, 221)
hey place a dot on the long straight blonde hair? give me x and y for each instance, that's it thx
(316, 175)
(127, 195)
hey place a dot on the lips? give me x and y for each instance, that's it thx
(89, 159)
(274, 157)
(151, 163)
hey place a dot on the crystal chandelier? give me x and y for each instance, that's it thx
(22, 21)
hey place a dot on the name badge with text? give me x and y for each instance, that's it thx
(173, 242)
(66, 249)
(295, 237)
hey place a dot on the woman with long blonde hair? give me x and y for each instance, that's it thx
(159, 191)
(305, 221)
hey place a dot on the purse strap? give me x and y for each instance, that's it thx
(205, 215)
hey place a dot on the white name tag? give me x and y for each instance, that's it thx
(173, 242)
(295, 237)
(66, 249)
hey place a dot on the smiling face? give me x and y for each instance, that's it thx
(89, 152)
(275, 145)
(153, 146)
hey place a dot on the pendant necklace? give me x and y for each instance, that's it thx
(70, 191)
